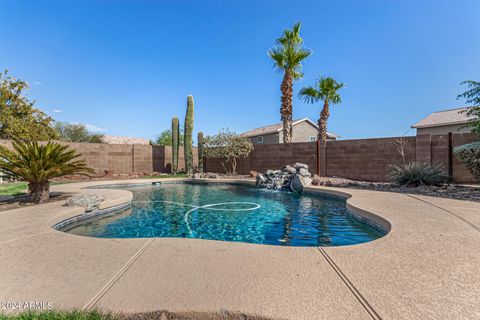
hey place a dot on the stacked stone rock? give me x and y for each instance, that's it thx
(90, 201)
(291, 177)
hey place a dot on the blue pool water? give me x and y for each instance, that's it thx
(231, 213)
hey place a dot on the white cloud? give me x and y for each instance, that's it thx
(94, 128)
(56, 110)
(38, 83)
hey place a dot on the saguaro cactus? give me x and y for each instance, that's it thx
(200, 152)
(175, 144)
(187, 146)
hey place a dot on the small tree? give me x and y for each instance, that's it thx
(38, 164)
(472, 96)
(75, 132)
(228, 147)
(401, 144)
(165, 138)
(19, 119)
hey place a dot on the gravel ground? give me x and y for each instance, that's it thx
(451, 191)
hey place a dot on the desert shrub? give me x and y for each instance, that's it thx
(418, 173)
(469, 156)
(228, 147)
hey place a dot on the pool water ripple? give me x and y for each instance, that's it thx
(231, 213)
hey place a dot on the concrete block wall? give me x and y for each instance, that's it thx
(126, 159)
(362, 159)
(271, 156)
(460, 173)
(366, 159)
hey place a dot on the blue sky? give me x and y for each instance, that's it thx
(127, 66)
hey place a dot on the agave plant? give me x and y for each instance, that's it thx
(38, 164)
(418, 173)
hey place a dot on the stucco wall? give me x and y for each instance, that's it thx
(267, 138)
(301, 132)
(456, 128)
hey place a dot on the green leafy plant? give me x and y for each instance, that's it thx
(416, 174)
(38, 164)
(287, 56)
(165, 137)
(74, 132)
(469, 156)
(325, 89)
(188, 144)
(472, 96)
(19, 119)
(227, 147)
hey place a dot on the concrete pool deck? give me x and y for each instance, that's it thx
(426, 267)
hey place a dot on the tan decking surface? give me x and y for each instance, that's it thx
(426, 267)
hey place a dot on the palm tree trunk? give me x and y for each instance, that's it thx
(39, 191)
(322, 122)
(286, 107)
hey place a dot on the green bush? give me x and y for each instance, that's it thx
(38, 164)
(469, 156)
(418, 174)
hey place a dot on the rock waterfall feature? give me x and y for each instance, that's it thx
(290, 177)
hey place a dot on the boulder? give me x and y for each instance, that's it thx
(290, 169)
(89, 201)
(197, 175)
(269, 173)
(260, 180)
(291, 177)
(299, 165)
(306, 181)
(304, 172)
(253, 173)
(278, 184)
(296, 184)
(316, 180)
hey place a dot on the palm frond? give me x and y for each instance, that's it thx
(328, 87)
(288, 53)
(309, 94)
(35, 163)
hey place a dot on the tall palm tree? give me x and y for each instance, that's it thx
(325, 89)
(38, 164)
(287, 56)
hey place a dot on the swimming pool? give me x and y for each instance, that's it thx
(231, 212)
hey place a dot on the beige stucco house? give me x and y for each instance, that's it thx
(443, 122)
(304, 130)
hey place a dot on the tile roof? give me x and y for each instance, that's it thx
(278, 127)
(445, 117)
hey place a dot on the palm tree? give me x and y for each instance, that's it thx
(288, 55)
(38, 164)
(325, 89)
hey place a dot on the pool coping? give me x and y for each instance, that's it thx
(431, 241)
